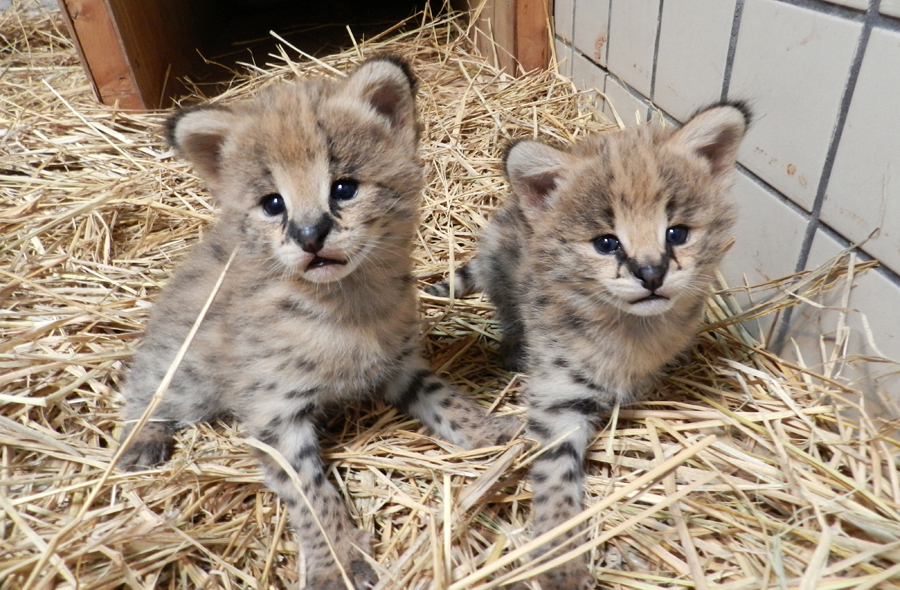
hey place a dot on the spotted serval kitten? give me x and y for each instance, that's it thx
(598, 267)
(319, 187)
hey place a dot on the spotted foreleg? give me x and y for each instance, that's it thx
(321, 519)
(464, 283)
(561, 418)
(446, 411)
(187, 400)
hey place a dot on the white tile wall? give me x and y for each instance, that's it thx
(792, 64)
(631, 110)
(632, 41)
(814, 331)
(858, 4)
(864, 190)
(563, 11)
(586, 74)
(890, 7)
(563, 57)
(768, 237)
(690, 75)
(592, 28)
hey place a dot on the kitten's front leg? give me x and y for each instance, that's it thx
(444, 410)
(561, 415)
(291, 430)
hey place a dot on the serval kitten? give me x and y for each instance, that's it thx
(319, 187)
(598, 266)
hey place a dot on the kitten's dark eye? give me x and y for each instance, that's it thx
(272, 205)
(606, 244)
(677, 235)
(344, 189)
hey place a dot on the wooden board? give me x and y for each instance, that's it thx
(136, 52)
(101, 52)
(514, 34)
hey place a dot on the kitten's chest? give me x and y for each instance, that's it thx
(622, 358)
(316, 348)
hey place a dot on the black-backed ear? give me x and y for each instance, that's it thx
(534, 170)
(387, 85)
(197, 134)
(715, 134)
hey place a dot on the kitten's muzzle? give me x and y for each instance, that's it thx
(651, 276)
(311, 237)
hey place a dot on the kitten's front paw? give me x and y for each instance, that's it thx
(504, 428)
(142, 456)
(152, 446)
(496, 430)
(566, 580)
(512, 354)
(361, 575)
(364, 577)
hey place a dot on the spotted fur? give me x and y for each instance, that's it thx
(319, 185)
(598, 266)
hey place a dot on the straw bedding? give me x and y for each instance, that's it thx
(741, 472)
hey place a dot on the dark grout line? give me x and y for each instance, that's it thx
(608, 34)
(889, 274)
(771, 190)
(827, 168)
(825, 7)
(572, 28)
(732, 48)
(659, 17)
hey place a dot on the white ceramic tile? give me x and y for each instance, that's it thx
(632, 40)
(864, 190)
(563, 12)
(768, 237)
(693, 49)
(890, 7)
(858, 4)
(592, 28)
(586, 74)
(814, 332)
(791, 64)
(589, 76)
(631, 110)
(563, 57)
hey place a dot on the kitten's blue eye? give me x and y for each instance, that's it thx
(344, 189)
(272, 205)
(606, 244)
(677, 234)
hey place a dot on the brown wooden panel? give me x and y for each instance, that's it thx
(103, 57)
(161, 38)
(533, 34)
(495, 32)
(513, 32)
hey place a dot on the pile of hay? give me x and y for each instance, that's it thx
(740, 473)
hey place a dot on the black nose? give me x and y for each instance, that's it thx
(651, 276)
(312, 237)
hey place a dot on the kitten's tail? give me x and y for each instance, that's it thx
(465, 282)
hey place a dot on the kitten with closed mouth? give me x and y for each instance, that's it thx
(318, 185)
(598, 265)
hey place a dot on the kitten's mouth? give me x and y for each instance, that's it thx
(650, 297)
(320, 261)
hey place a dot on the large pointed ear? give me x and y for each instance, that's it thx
(387, 85)
(197, 134)
(715, 134)
(534, 170)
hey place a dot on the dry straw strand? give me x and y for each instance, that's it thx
(744, 470)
